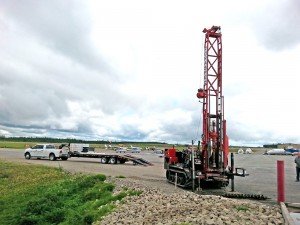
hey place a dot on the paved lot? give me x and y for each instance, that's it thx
(262, 170)
(263, 176)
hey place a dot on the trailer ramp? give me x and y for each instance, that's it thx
(137, 160)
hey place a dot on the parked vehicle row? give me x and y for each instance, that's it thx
(125, 149)
(64, 151)
(67, 150)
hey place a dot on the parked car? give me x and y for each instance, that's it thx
(278, 151)
(158, 151)
(121, 149)
(46, 151)
(135, 149)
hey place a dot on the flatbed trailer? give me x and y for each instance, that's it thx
(111, 158)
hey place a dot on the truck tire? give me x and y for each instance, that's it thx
(52, 157)
(27, 155)
(64, 158)
(104, 160)
(113, 160)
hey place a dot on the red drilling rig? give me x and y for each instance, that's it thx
(206, 165)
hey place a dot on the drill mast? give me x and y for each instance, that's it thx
(214, 139)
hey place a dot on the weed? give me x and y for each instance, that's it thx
(132, 193)
(125, 188)
(242, 208)
(120, 176)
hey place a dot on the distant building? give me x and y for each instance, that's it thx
(288, 145)
(283, 146)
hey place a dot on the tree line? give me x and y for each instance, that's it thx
(68, 140)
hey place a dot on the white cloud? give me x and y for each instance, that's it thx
(130, 70)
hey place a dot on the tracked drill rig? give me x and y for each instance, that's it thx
(206, 165)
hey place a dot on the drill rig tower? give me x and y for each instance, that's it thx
(207, 166)
(214, 139)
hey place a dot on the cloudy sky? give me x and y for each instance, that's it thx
(130, 70)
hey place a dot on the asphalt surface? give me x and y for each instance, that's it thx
(263, 176)
(262, 171)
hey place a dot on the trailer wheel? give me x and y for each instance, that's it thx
(104, 160)
(122, 161)
(27, 155)
(113, 160)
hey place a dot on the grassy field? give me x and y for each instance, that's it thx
(23, 145)
(16, 145)
(42, 195)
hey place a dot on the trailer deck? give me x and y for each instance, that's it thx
(111, 158)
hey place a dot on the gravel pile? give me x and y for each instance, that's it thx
(183, 207)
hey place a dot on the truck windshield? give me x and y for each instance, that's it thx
(50, 147)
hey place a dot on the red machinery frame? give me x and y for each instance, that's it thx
(214, 139)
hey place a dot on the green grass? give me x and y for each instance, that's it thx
(41, 195)
(16, 145)
(233, 149)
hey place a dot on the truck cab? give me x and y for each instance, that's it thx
(46, 151)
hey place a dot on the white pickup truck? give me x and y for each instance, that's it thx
(46, 151)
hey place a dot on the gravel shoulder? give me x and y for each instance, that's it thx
(176, 206)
